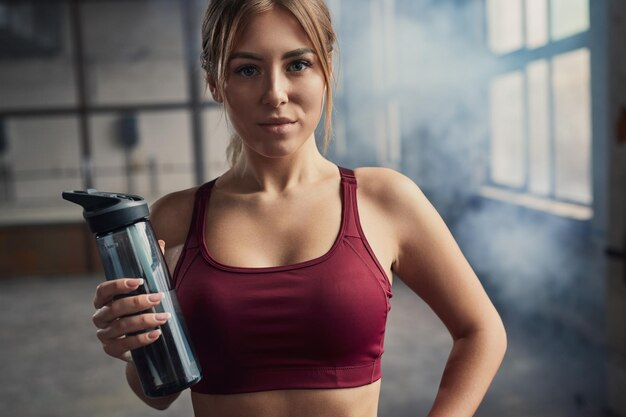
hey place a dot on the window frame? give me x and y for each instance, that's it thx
(517, 61)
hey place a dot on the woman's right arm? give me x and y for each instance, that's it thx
(114, 318)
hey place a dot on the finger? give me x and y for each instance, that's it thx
(106, 290)
(132, 324)
(119, 347)
(125, 307)
(162, 245)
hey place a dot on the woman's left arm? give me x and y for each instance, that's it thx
(430, 262)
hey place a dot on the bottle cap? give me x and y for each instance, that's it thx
(105, 211)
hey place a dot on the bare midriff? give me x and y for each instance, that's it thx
(337, 402)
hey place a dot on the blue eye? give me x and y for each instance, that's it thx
(247, 71)
(299, 65)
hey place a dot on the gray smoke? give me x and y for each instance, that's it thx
(438, 72)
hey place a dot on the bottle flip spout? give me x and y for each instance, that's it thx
(90, 199)
(108, 211)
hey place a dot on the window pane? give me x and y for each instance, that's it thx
(572, 118)
(507, 130)
(387, 133)
(134, 50)
(160, 163)
(381, 51)
(42, 160)
(381, 134)
(505, 25)
(536, 23)
(394, 135)
(39, 69)
(538, 127)
(569, 17)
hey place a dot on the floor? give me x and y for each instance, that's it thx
(52, 364)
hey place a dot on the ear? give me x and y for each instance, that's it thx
(215, 93)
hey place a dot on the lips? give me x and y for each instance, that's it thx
(274, 121)
(277, 125)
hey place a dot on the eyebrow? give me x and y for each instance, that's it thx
(258, 57)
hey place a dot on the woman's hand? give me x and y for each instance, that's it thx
(118, 318)
(126, 322)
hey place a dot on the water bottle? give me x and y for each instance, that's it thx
(129, 249)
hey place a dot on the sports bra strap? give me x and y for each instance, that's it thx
(347, 175)
(348, 181)
(202, 200)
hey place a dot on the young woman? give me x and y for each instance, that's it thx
(283, 264)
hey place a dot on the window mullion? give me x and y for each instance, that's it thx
(525, 133)
(551, 133)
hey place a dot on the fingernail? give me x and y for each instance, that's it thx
(154, 334)
(155, 297)
(132, 283)
(162, 316)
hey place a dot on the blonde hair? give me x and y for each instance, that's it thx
(224, 21)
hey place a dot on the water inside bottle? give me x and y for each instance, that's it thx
(168, 363)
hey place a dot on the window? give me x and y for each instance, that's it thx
(135, 69)
(540, 103)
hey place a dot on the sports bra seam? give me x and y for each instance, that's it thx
(357, 221)
(386, 294)
(183, 274)
(186, 246)
(301, 368)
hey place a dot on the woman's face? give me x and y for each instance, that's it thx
(274, 85)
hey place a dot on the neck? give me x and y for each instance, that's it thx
(278, 175)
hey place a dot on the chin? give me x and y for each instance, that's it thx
(278, 153)
(278, 148)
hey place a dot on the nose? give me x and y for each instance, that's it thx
(276, 86)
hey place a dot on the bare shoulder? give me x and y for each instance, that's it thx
(393, 209)
(171, 215)
(413, 222)
(389, 189)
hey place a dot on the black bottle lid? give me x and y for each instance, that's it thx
(108, 211)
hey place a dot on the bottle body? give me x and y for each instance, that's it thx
(169, 364)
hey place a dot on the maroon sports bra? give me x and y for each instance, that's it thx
(314, 324)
